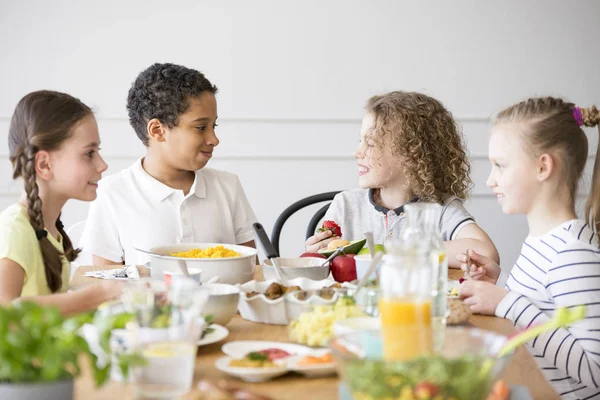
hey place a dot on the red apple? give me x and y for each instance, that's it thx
(312, 255)
(343, 268)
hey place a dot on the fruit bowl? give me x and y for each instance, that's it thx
(465, 368)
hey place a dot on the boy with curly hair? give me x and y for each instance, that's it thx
(168, 196)
(410, 150)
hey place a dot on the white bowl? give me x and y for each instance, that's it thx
(301, 267)
(363, 262)
(229, 270)
(351, 325)
(222, 302)
(266, 311)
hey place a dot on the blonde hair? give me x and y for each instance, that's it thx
(43, 120)
(551, 125)
(427, 141)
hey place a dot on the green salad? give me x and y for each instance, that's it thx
(425, 378)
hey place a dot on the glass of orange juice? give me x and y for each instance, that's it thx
(405, 302)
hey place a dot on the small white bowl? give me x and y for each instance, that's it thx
(222, 302)
(301, 267)
(363, 262)
(356, 324)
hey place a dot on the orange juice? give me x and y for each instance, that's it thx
(405, 327)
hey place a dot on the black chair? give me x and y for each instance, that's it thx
(312, 225)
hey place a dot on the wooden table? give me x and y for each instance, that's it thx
(521, 371)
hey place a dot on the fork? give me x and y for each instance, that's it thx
(468, 269)
(122, 273)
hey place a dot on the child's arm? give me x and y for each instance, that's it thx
(471, 237)
(571, 281)
(97, 260)
(88, 298)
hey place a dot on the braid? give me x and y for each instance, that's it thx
(34, 203)
(590, 116)
(51, 256)
(70, 253)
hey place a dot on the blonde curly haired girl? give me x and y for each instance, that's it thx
(410, 149)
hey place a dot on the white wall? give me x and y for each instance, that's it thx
(294, 76)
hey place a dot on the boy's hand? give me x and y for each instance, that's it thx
(319, 241)
(481, 297)
(481, 268)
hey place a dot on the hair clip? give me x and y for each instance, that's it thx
(578, 116)
(59, 224)
(40, 234)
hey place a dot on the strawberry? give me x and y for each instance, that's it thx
(331, 226)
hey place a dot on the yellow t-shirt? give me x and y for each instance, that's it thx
(19, 244)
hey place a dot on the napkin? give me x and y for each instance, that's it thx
(131, 270)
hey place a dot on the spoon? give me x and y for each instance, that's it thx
(370, 270)
(268, 248)
(333, 255)
(181, 263)
(370, 244)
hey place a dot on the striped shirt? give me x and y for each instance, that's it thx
(560, 269)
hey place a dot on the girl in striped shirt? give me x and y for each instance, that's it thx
(538, 152)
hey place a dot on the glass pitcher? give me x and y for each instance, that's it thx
(165, 331)
(406, 299)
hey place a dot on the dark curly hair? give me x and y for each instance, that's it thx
(163, 91)
(427, 141)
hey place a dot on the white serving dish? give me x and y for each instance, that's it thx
(229, 270)
(263, 310)
(301, 267)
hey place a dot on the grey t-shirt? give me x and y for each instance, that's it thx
(357, 213)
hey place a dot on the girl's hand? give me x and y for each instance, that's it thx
(481, 268)
(481, 297)
(111, 290)
(318, 241)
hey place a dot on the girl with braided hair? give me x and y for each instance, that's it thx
(54, 143)
(538, 152)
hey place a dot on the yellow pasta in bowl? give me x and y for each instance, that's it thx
(210, 252)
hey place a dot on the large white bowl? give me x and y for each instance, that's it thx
(222, 302)
(301, 267)
(229, 270)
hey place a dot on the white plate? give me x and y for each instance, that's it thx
(310, 371)
(219, 333)
(239, 348)
(451, 285)
(250, 374)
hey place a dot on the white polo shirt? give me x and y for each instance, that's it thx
(135, 210)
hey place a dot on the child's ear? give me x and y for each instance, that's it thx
(545, 167)
(42, 162)
(156, 130)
